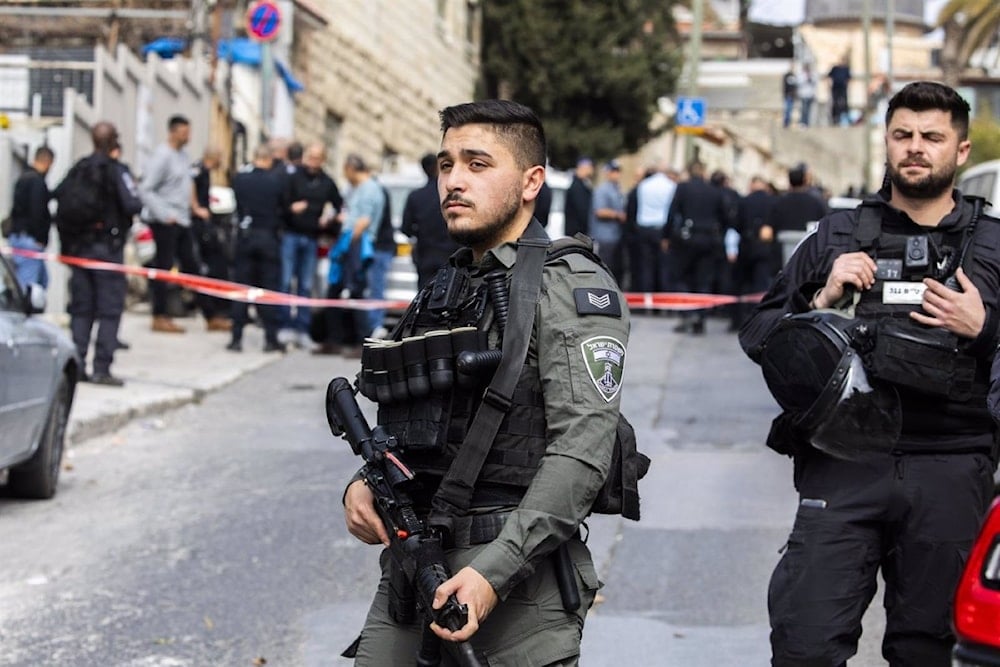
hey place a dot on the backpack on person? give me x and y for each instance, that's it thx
(81, 198)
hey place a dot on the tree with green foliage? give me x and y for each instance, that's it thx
(984, 133)
(968, 26)
(591, 69)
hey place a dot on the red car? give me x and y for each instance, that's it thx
(977, 600)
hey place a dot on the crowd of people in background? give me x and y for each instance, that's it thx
(798, 91)
(288, 213)
(288, 209)
(671, 232)
(691, 231)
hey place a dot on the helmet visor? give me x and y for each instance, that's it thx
(856, 418)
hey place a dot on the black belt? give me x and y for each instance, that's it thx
(475, 529)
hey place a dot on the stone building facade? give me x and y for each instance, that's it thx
(377, 72)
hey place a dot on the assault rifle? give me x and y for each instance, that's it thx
(415, 548)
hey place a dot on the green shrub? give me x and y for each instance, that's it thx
(984, 132)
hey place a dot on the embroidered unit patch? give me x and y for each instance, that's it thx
(605, 360)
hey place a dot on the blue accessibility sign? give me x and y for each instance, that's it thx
(263, 20)
(690, 111)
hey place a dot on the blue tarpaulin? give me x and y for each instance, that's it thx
(240, 50)
(247, 52)
(165, 47)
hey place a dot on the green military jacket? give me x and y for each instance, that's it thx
(578, 344)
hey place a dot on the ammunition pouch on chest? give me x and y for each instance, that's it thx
(920, 358)
(433, 428)
(429, 386)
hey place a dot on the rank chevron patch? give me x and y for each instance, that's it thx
(601, 301)
(597, 301)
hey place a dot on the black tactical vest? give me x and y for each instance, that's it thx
(429, 380)
(927, 360)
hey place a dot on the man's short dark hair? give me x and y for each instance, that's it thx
(44, 153)
(429, 164)
(295, 151)
(929, 96)
(176, 120)
(797, 176)
(516, 124)
(105, 137)
(356, 162)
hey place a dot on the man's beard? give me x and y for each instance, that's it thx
(931, 186)
(490, 231)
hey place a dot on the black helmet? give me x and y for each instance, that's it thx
(813, 370)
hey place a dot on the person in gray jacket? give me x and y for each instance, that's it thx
(167, 194)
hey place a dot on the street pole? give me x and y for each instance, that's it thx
(866, 26)
(266, 76)
(199, 23)
(694, 61)
(890, 29)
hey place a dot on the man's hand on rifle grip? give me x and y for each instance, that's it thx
(473, 590)
(359, 512)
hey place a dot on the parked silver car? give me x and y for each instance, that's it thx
(39, 369)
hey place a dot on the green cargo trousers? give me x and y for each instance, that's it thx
(528, 629)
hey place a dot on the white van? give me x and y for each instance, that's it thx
(983, 180)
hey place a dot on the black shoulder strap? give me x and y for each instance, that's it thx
(869, 226)
(972, 211)
(454, 495)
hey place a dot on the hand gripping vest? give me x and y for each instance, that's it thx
(912, 356)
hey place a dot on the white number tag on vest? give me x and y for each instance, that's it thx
(903, 292)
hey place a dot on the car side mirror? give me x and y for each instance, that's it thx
(36, 299)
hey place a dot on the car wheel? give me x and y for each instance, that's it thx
(37, 477)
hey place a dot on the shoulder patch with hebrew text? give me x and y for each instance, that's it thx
(604, 357)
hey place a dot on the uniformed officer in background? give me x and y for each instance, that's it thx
(552, 452)
(211, 234)
(259, 197)
(98, 297)
(919, 264)
(699, 215)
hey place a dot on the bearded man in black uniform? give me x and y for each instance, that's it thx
(919, 264)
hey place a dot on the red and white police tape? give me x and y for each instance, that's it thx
(238, 292)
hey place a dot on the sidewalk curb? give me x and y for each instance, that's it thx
(93, 427)
(162, 373)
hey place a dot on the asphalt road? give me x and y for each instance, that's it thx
(212, 535)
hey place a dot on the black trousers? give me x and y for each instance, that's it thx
(914, 516)
(258, 263)
(213, 248)
(174, 244)
(696, 263)
(340, 326)
(753, 275)
(96, 297)
(650, 268)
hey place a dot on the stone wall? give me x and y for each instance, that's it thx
(378, 72)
